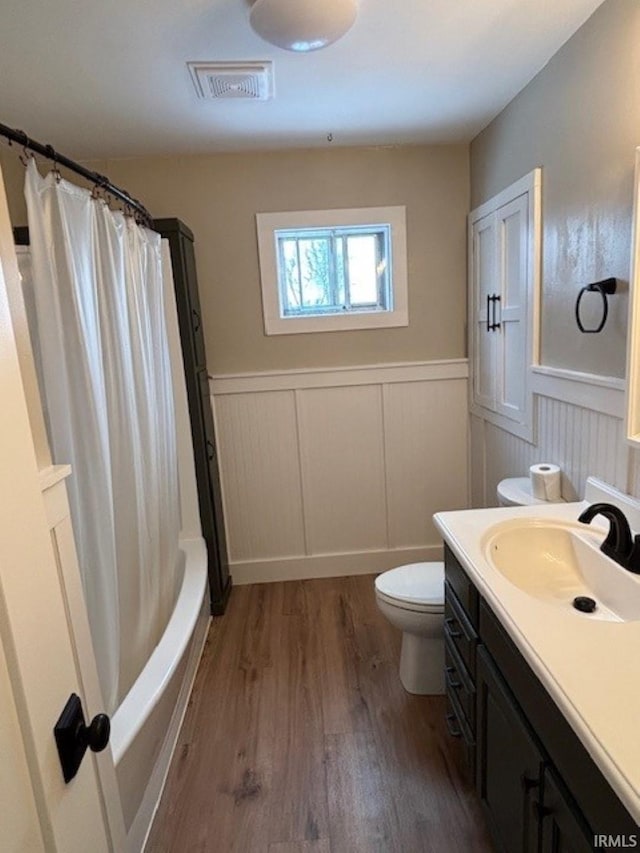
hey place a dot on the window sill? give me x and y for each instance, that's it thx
(336, 322)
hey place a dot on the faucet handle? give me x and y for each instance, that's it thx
(633, 563)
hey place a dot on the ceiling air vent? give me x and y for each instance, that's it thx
(232, 80)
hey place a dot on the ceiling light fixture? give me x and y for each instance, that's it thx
(302, 25)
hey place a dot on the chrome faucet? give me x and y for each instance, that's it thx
(620, 545)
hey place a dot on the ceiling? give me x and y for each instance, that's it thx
(110, 79)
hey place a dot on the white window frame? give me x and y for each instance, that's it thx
(396, 315)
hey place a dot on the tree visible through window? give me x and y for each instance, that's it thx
(333, 270)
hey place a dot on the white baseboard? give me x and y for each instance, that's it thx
(329, 565)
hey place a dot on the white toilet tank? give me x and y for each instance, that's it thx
(516, 491)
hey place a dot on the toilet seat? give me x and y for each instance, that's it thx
(416, 586)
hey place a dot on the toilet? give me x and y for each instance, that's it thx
(516, 491)
(412, 599)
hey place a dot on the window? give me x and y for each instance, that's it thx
(333, 269)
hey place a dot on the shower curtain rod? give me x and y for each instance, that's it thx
(98, 180)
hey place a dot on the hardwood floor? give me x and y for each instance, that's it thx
(299, 737)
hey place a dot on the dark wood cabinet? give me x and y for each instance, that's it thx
(202, 426)
(563, 829)
(538, 785)
(461, 638)
(508, 763)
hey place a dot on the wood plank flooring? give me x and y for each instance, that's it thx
(300, 739)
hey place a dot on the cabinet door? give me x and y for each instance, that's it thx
(513, 253)
(509, 763)
(563, 828)
(485, 282)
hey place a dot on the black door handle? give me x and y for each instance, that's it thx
(495, 324)
(196, 320)
(492, 322)
(211, 451)
(73, 736)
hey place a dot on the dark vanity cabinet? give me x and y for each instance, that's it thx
(509, 761)
(538, 785)
(460, 641)
(202, 427)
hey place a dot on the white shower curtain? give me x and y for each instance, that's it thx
(106, 383)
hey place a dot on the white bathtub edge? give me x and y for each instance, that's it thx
(139, 702)
(140, 829)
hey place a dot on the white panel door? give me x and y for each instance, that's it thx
(34, 629)
(504, 277)
(485, 283)
(513, 252)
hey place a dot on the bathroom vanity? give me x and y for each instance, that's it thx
(542, 697)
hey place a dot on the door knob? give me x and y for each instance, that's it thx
(73, 736)
(97, 733)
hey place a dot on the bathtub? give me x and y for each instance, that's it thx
(144, 728)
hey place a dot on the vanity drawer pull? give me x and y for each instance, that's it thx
(448, 623)
(528, 784)
(449, 673)
(452, 605)
(452, 725)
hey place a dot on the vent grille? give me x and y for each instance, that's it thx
(232, 80)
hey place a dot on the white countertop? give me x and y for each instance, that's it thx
(590, 667)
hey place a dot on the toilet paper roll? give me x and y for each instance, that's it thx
(545, 481)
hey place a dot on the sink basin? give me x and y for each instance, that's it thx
(555, 562)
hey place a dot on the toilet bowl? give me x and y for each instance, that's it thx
(412, 599)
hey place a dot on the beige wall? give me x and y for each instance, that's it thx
(580, 120)
(219, 195)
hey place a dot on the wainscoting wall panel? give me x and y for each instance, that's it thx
(258, 454)
(342, 460)
(577, 424)
(339, 471)
(423, 419)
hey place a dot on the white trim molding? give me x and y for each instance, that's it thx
(604, 394)
(335, 377)
(633, 328)
(397, 312)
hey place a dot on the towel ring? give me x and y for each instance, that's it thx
(604, 287)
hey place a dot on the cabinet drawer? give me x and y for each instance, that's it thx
(458, 630)
(458, 729)
(459, 684)
(458, 581)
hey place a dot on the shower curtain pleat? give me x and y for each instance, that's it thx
(104, 364)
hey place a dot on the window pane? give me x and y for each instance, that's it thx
(363, 274)
(331, 271)
(315, 272)
(289, 275)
